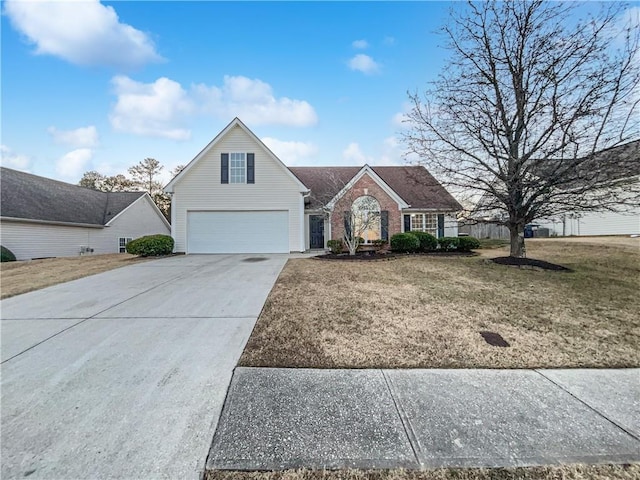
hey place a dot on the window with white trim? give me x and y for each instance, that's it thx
(424, 222)
(366, 211)
(237, 168)
(122, 244)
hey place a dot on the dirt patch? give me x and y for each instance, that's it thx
(562, 472)
(427, 312)
(29, 275)
(529, 262)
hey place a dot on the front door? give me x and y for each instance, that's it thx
(316, 231)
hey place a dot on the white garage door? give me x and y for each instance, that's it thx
(238, 232)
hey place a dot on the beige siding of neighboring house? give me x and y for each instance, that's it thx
(200, 189)
(606, 223)
(624, 222)
(37, 240)
(139, 219)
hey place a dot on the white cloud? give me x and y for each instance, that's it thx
(153, 109)
(399, 118)
(354, 155)
(80, 137)
(11, 159)
(253, 101)
(360, 44)
(291, 153)
(81, 32)
(389, 152)
(392, 152)
(364, 63)
(388, 40)
(73, 164)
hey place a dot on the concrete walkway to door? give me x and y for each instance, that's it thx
(123, 374)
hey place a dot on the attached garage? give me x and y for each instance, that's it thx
(238, 232)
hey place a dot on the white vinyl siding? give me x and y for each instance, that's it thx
(37, 240)
(200, 189)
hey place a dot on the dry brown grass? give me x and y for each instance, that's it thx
(564, 472)
(27, 276)
(426, 312)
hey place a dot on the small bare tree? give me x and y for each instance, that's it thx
(359, 211)
(528, 108)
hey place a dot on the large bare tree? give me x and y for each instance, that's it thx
(530, 95)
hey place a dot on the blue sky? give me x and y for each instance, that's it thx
(101, 85)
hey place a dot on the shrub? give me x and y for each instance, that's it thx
(466, 244)
(379, 242)
(405, 242)
(427, 241)
(449, 244)
(6, 255)
(151, 246)
(335, 246)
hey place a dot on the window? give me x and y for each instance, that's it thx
(122, 244)
(425, 222)
(237, 168)
(366, 211)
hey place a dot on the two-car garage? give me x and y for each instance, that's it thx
(238, 231)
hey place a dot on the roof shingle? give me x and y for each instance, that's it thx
(414, 184)
(37, 198)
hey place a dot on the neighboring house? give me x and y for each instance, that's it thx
(41, 217)
(624, 221)
(236, 196)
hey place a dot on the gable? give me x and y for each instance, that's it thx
(413, 184)
(235, 138)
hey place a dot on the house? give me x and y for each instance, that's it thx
(41, 217)
(623, 218)
(236, 196)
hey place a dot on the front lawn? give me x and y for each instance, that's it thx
(26, 276)
(428, 312)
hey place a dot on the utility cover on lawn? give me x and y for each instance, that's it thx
(494, 339)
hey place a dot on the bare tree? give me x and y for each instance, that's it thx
(146, 174)
(92, 179)
(97, 181)
(360, 212)
(526, 110)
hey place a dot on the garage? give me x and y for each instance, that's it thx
(238, 232)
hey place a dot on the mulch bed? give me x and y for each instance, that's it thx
(529, 263)
(379, 256)
(358, 257)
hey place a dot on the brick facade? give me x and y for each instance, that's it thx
(365, 186)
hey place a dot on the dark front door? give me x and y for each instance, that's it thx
(316, 229)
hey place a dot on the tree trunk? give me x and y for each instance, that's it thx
(516, 233)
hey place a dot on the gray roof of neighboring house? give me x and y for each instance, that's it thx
(37, 198)
(414, 184)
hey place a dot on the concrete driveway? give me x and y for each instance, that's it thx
(123, 374)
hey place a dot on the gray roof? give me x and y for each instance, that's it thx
(37, 198)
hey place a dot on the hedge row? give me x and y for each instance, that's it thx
(425, 242)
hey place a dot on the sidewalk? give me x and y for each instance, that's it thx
(291, 418)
